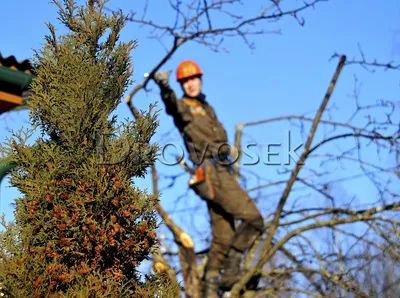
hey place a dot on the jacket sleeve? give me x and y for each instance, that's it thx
(174, 107)
(170, 100)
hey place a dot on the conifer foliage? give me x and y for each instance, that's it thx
(81, 227)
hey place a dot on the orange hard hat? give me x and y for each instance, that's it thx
(187, 68)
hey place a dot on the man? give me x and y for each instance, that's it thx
(204, 138)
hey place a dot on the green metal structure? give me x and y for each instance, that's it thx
(15, 78)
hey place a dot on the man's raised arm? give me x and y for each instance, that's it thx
(167, 94)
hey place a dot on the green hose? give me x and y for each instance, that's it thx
(5, 169)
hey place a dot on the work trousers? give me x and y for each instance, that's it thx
(230, 203)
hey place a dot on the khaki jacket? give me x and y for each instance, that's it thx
(203, 134)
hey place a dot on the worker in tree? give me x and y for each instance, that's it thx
(207, 144)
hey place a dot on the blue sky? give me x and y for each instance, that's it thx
(286, 74)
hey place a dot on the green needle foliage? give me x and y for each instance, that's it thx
(81, 227)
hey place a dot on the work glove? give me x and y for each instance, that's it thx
(162, 78)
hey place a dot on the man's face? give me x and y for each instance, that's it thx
(192, 86)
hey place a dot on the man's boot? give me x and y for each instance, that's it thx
(210, 284)
(231, 273)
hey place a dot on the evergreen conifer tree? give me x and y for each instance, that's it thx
(81, 227)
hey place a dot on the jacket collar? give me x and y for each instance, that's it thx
(201, 98)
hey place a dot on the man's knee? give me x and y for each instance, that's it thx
(257, 222)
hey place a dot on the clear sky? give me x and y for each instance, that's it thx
(286, 73)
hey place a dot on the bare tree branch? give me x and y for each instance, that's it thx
(275, 222)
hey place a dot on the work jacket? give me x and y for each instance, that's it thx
(203, 134)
